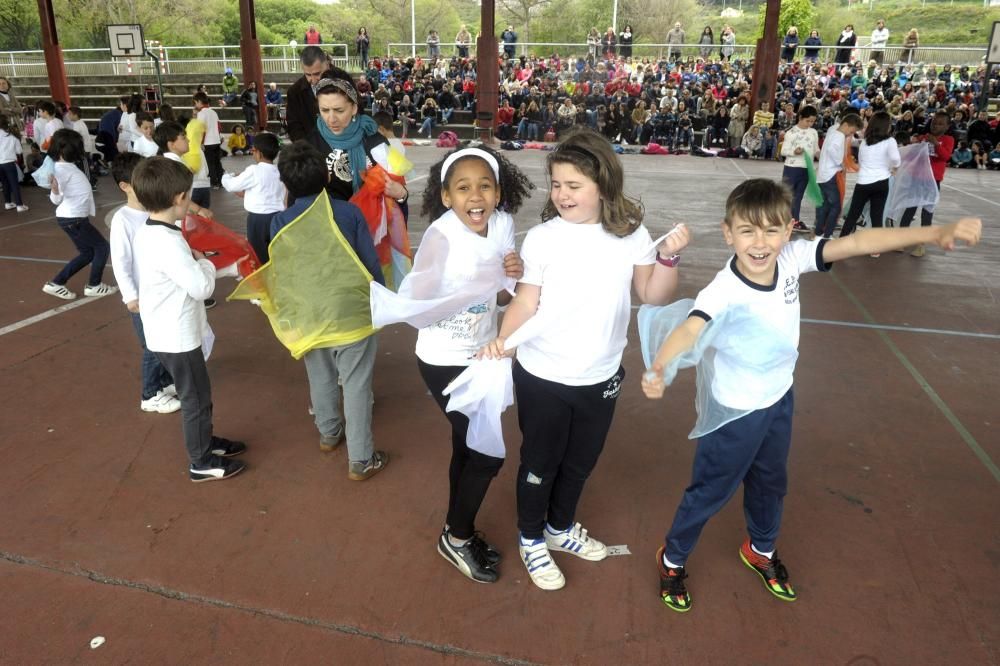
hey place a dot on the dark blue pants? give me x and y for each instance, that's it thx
(926, 216)
(202, 196)
(796, 178)
(11, 185)
(154, 376)
(93, 248)
(829, 212)
(752, 450)
(259, 233)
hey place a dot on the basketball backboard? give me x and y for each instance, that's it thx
(126, 41)
(993, 52)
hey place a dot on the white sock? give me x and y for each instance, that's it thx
(456, 542)
(670, 565)
(553, 531)
(760, 552)
(525, 541)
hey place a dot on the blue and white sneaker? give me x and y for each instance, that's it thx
(543, 571)
(575, 541)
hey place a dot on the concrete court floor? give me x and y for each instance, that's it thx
(890, 529)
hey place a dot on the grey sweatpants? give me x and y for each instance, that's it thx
(353, 364)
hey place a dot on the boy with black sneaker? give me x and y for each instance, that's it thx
(174, 280)
(746, 436)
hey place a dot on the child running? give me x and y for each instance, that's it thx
(471, 195)
(262, 191)
(583, 262)
(763, 278)
(158, 391)
(74, 199)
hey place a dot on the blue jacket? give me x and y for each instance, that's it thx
(352, 225)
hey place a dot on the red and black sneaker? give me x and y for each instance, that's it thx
(771, 571)
(799, 228)
(673, 592)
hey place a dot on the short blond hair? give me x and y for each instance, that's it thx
(760, 201)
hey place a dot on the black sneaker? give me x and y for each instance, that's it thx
(673, 591)
(800, 228)
(771, 571)
(491, 554)
(216, 469)
(227, 448)
(470, 559)
(209, 303)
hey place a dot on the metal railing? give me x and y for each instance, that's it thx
(283, 58)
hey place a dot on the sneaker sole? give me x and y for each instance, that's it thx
(327, 448)
(767, 585)
(364, 477)
(462, 567)
(218, 478)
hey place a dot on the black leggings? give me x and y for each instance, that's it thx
(877, 194)
(470, 472)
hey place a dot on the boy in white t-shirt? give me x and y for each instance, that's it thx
(831, 163)
(144, 144)
(173, 282)
(158, 391)
(763, 278)
(262, 191)
(213, 139)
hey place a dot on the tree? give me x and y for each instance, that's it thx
(520, 13)
(799, 13)
(20, 29)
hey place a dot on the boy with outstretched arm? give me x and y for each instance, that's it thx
(174, 280)
(762, 278)
(262, 191)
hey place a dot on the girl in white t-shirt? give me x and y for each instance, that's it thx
(471, 195)
(580, 266)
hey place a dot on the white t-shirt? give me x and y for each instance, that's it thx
(124, 224)
(172, 288)
(831, 158)
(144, 146)
(876, 162)
(585, 275)
(211, 120)
(454, 340)
(76, 196)
(738, 381)
(264, 191)
(10, 147)
(796, 137)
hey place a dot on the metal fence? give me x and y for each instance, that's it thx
(284, 58)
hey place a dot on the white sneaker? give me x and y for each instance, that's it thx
(537, 560)
(99, 290)
(161, 403)
(10, 206)
(575, 541)
(170, 390)
(21, 209)
(59, 291)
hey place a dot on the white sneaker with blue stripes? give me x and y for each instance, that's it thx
(543, 571)
(575, 541)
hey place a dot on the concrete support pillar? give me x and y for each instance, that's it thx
(765, 65)
(487, 69)
(58, 83)
(253, 67)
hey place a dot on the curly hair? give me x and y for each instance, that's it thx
(515, 187)
(592, 155)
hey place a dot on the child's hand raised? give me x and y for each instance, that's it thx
(652, 382)
(967, 229)
(676, 240)
(513, 267)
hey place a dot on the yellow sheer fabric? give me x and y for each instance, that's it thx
(314, 290)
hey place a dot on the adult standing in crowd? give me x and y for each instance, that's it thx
(433, 45)
(728, 41)
(509, 39)
(625, 40)
(312, 36)
(349, 138)
(462, 41)
(910, 44)
(609, 44)
(880, 37)
(9, 105)
(593, 44)
(845, 43)
(363, 42)
(706, 41)
(300, 105)
(813, 42)
(674, 40)
(790, 44)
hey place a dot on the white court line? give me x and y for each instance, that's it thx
(52, 217)
(16, 326)
(739, 168)
(46, 261)
(970, 194)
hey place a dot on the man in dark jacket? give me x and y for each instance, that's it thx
(301, 110)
